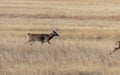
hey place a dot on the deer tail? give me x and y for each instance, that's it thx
(28, 33)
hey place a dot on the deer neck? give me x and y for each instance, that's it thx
(51, 36)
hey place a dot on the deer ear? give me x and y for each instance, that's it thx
(53, 29)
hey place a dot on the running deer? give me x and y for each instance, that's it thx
(116, 48)
(41, 37)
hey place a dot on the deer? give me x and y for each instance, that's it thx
(41, 37)
(116, 48)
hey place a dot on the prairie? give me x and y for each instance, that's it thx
(88, 33)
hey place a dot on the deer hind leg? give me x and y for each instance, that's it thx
(30, 42)
(116, 49)
(26, 42)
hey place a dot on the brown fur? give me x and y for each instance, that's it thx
(41, 37)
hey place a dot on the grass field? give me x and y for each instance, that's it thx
(88, 31)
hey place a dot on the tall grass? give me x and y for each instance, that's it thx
(62, 57)
(88, 31)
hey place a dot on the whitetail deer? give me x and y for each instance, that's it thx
(41, 37)
(116, 48)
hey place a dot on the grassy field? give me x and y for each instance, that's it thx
(88, 31)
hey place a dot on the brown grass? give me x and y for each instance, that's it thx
(88, 31)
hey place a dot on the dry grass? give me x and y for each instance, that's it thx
(62, 57)
(88, 31)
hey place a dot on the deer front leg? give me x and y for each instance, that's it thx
(42, 42)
